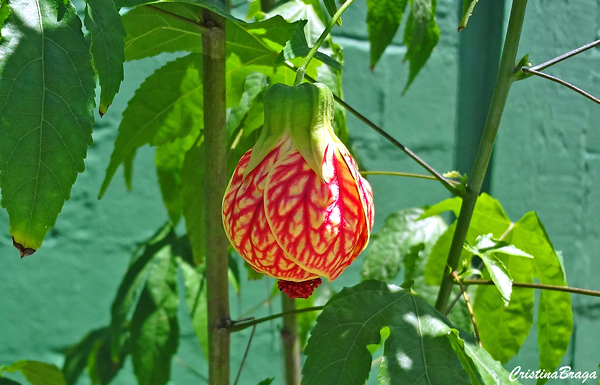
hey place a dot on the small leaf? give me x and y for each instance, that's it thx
(192, 191)
(298, 47)
(452, 174)
(46, 114)
(383, 20)
(167, 106)
(154, 327)
(195, 299)
(76, 357)
(266, 381)
(497, 271)
(106, 29)
(37, 373)
(420, 36)
(417, 346)
(467, 11)
(401, 232)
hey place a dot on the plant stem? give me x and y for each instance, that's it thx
(469, 307)
(405, 174)
(236, 326)
(290, 341)
(215, 139)
(566, 289)
(564, 56)
(237, 378)
(562, 83)
(504, 80)
(302, 70)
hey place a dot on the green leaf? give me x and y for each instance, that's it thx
(106, 29)
(318, 9)
(195, 299)
(101, 366)
(266, 381)
(76, 358)
(255, 85)
(503, 330)
(169, 162)
(417, 351)
(132, 283)
(216, 6)
(154, 327)
(151, 32)
(46, 117)
(401, 232)
(37, 373)
(332, 9)
(451, 204)
(383, 20)
(8, 381)
(488, 218)
(420, 36)
(298, 47)
(167, 106)
(4, 12)
(333, 80)
(192, 191)
(555, 315)
(467, 11)
(482, 368)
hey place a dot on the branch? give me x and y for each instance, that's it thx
(561, 82)
(236, 326)
(245, 356)
(566, 289)
(469, 307)
(564, 56)
(405, 174)
(290, 341)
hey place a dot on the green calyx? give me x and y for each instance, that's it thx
(305, 112)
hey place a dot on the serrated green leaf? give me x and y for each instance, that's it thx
(132, 283)
(37, 373)
(383, 20)
(503, 330)
(555, 315)
(46, 114)
(167, 106)
(76, 358)
(154, 327)
(467, 11)
(488, 218)
(298, 47)
(417, 351)
(192, 192)
(401, 232)
(216, 6)
(107, 33)
(420, 36)
(195, 299)
(169, 162)
(482, 368)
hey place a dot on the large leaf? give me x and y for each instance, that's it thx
(192, 190)
(420, 36)
(154, 327)
(37, 373)
(416, 352)
(399, 234)
(46, 114)
(488, 218)
(106, 29)
(555, 315)
(195, 299)
(132, 284)
(383, 20)
(167, 106)
(503, 330)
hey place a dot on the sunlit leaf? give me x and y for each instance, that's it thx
(46, 114)
(383, 20)
(37, 373)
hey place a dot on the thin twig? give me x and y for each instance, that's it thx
(561, 82)
(201, 27)
(245, 356)
(236, 326)
(469, 307)
(566, 289)
(564, 56)
(447, 183)
(405, 174)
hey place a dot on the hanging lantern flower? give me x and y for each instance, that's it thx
(296, 207)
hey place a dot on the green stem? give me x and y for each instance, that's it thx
(404, 174)
(290, 341)
(504, 80)
(566, 289)
(302, 70)
(215, 139)
(236, 326)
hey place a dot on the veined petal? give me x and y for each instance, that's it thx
(246, 225)
(320, 226)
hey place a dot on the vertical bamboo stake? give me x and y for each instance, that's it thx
(215, 141)
(290, 341)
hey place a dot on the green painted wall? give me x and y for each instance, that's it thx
(547, 160)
